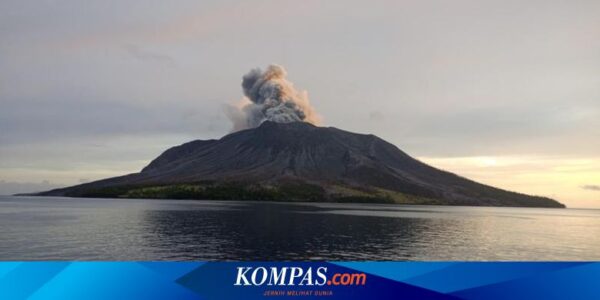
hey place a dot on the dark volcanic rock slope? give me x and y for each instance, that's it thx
(340, 163)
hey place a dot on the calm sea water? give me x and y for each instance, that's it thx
(33, 228)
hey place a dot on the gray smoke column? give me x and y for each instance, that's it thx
(270, 96)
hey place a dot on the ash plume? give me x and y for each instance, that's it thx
(269, 96)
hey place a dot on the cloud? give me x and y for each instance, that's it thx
(591, 187)
(145, 55)
(54, 119)
(10, 188)
(376, 116)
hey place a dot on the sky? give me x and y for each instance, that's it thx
(503, 92)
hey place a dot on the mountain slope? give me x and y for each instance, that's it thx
(299, 161)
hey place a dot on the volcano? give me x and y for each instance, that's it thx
(299, 161)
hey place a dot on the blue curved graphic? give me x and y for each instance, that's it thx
(383, 280)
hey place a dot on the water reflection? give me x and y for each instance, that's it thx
(269, 231)
(118, 229)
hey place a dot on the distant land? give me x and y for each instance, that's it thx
(299, 161)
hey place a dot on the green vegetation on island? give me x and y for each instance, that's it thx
(288, 192)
